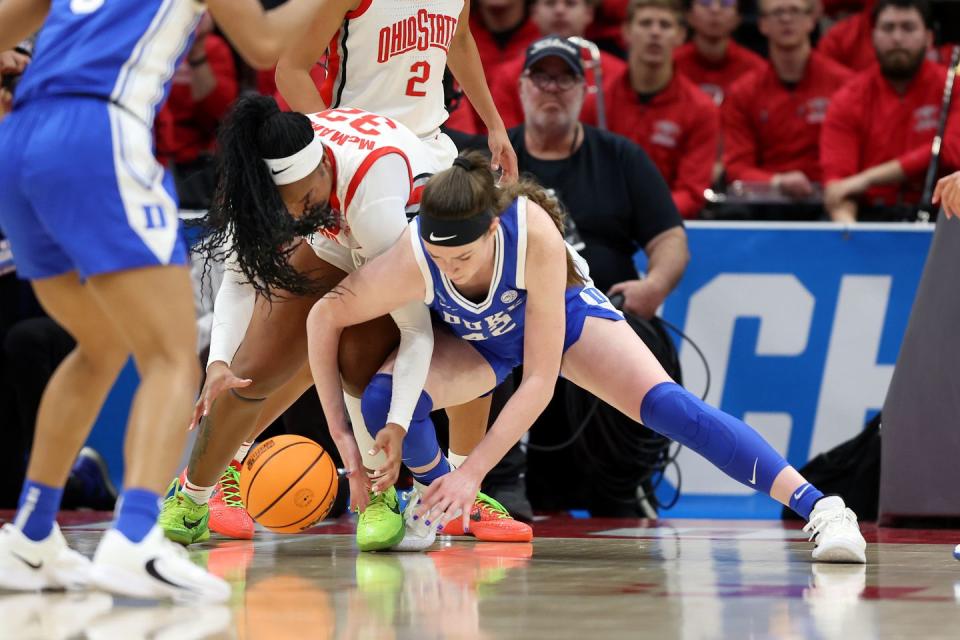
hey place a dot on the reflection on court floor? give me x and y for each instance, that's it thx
(578, 579)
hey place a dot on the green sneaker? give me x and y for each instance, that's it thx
(182, 519)
(381, 525)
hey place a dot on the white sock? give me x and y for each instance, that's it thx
(456, 460)
(200, 495)
(364, 440)
(242, 451)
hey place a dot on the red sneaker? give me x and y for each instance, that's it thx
(228, 516)
(491, 522)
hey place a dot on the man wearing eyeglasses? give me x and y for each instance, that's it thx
(772, 117)
(675, 122)
(876, 138)
(712, 60)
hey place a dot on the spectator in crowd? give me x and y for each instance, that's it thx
(619, 204)
(204, 87)
(502, 30)
(772, 117)
(711, 59)
(607, 26)
(564, 18)
(675, 122)
(850, 41)
(876, 138)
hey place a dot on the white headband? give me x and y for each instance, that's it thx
(297, 166)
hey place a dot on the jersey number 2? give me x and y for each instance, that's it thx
(421, 73)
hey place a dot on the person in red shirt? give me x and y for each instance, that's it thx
(876, 138)
(563, 18)
(502, 30)
(675, 122)
(850, 42)
(204, 87)
(711, 59)
(772, 117)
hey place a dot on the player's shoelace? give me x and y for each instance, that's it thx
(820, 521)
(230, 488)
(488, 504)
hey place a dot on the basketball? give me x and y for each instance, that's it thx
(288, 483)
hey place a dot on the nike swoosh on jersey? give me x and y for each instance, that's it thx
(35, 566)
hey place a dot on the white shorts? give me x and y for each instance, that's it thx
(442, 149)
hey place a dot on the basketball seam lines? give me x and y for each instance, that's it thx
(262, 465)
(319, 504)
(292, 485)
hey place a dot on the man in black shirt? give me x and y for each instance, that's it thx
(619, 203)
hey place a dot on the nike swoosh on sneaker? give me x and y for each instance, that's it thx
(753, 480)
(192, 524)
(35, 566)
(151, 567)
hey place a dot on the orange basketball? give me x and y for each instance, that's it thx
(288, 483)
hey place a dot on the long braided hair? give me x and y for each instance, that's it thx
(248, 217)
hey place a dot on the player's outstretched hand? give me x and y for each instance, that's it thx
(502, 156)
(947, 194)
(219, 379)
(449, 496)
(390, 441)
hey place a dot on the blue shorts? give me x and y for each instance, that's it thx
(582, 302)
(81, 190)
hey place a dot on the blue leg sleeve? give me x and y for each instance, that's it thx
(420, 446)
(729, 443)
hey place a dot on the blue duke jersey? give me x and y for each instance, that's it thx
(495, 326)
(80, 188)
(123, 51)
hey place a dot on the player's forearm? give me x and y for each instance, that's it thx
(413, 361)
(19, 19)
(261, 36)
(465, 65)
(297, 87)
(524, 406)
(323, 343)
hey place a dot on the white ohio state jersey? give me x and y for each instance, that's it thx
(388, 57)
(353, 140)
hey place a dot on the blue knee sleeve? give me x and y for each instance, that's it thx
(420, 446)
(729, 443)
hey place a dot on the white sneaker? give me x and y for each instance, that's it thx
(153, 568)
(416, 536)
(26, 565)
(833, 529)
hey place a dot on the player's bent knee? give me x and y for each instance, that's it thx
(674, 412)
